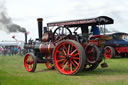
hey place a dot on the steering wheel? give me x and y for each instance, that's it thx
(61, 32)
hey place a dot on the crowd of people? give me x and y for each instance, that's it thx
(10, 50)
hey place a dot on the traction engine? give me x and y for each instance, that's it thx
(64, 49)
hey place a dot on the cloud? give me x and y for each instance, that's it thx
(93, 8)
(57, 10)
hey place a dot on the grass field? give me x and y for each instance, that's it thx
(12, 72)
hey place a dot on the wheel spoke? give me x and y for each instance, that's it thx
(71, 66)
(28, 58)
(63, 62)
(110, 51)
(71, 47)
(73, 63)
(62, 56)
(68, 49)
(30, 62)
(73, 55)
(107, 51)
(76, 62)
(65, 66)
(65, 47)
(60, 60)
(60, 52)
(64, 51)
(73, 52)
(31, 66)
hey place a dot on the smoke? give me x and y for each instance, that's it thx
(6, 23)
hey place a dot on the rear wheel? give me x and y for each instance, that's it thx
(109, 52)
(93, 53)
(69, 57)
(30, 62)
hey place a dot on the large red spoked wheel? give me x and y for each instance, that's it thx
(109, 52)
(69, 57)
(49, 64)
(30, 62)
(93, 53)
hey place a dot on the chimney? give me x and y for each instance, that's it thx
(25, 37)
(39, 21)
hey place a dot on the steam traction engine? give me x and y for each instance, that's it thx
(66, 46)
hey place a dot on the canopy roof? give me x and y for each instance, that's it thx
(92, 21)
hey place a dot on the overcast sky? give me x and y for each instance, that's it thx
(25, 13)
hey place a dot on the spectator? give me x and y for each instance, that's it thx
(9, 51)
(1, 50)
(4, 51)
(19, 49)
(12, 50)
(15, 50)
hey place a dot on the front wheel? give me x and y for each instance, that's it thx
(30, 62)
(69, 57)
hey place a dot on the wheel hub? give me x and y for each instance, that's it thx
(67, 57)
(28, 62)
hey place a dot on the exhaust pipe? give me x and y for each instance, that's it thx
(40, 25)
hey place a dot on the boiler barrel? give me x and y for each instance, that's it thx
(44, 47)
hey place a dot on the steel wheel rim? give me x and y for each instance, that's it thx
(108, 53)
(49, 64)
(28, 62)
(67, 57)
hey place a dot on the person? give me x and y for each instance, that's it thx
(95, 30)
(9, 51)
(4, 51)
(19, 50)
(15, 50)
(1, 50)
(12, 50)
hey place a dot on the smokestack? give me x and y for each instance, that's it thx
(25, 37)
(39, 20)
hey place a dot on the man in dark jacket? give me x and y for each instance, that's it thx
(95, 30)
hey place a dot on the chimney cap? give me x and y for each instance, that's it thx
(39, 19)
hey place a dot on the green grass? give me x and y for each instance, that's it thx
(12, 72)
